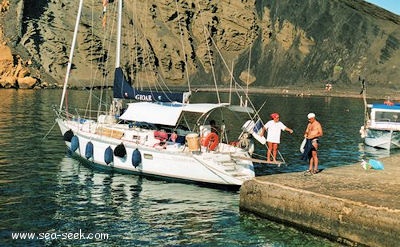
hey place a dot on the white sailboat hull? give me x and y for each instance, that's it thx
(151, 137)
(223, 166)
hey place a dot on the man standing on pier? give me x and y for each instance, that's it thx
(274, 128)
(312, 133)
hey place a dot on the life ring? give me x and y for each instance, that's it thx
(211, 141)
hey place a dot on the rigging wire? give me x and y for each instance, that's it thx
(206, 31)
(149, 58)
(183, 45)
(207, 36)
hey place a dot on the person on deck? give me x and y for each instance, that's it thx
(312, 134)
(214, 127)
(274, 128)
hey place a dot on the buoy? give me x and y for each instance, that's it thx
(211, 141)
(89, 150)
(68, 135)
(136, 158)
(108, 155)
(74, 143)
(120, 150)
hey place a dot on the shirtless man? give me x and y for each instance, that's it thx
(313, 132)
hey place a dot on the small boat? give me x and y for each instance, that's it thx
(381, 127)
(158, 134)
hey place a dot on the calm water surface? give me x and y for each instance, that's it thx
(45, 192)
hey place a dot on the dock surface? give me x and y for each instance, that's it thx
(347, 204)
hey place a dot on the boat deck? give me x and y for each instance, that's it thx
(347, 203)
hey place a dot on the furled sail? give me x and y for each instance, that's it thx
(123, 90)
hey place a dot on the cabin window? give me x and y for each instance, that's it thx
(386, 116)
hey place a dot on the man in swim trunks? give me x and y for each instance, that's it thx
(313, 132)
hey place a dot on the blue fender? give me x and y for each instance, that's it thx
(108, 155)
(136, 158)
(89, 150)
(74, 143)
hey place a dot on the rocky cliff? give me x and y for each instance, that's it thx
(266, 43)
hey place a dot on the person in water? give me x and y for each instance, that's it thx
(274, 128)
(312, 134)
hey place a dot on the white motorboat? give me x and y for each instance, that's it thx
(382, 128)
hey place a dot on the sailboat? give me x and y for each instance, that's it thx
(149, 133)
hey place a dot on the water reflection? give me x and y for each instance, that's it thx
(44, 190)
(141, 212)
(129, 206)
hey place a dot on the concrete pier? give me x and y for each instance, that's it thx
(346, 204)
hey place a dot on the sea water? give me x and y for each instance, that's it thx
(51, 199)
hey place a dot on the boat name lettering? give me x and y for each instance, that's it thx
(143, 97)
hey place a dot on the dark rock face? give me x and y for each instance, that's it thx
(267, 43)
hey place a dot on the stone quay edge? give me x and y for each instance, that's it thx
(346, 204)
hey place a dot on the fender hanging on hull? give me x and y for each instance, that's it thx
(136, 158)
(74, 143)
(108, 155)
(120, 151)
(89, 150)
(68, 135)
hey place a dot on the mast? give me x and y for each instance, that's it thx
(118, 51)
(117, 103)
(364, 94)
(71, 54)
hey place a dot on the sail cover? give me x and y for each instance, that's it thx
(152, 113)
(123, 90)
